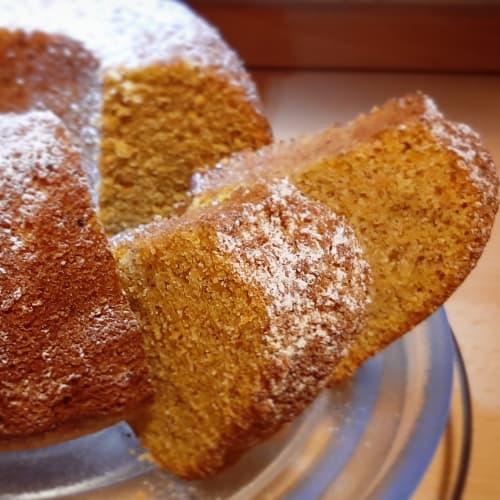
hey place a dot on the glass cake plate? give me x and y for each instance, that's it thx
(371, 438)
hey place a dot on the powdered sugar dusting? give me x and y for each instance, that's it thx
(466, 144)
(431, 111)
(27, 154)
(60, 301)
(128, 34)
(24, 147)
(310, 267)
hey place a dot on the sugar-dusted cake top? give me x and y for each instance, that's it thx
(128, 34)
(70, 348)
(303, 256)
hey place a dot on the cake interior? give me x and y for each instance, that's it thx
(160, 123)
(181, 291)
(411, 207)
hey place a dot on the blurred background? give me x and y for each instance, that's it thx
(443, 35)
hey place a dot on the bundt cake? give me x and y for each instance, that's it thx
(71, 356)
(420, 192)
(147, 89)
(246, 308)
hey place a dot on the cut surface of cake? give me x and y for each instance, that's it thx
(148, 90)
(245, 308)
(71, 356)
(420, 192)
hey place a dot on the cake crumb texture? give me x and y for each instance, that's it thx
(160, 124)
(246, 308)
(419, 191)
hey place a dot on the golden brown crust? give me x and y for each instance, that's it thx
(71, 355)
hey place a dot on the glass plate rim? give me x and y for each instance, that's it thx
(418, 454)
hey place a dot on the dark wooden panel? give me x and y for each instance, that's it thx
(388, 37)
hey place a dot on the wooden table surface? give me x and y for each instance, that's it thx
(298, 102)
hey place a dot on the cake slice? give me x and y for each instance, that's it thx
(420, 192)
(246, 308)
(71, 357)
